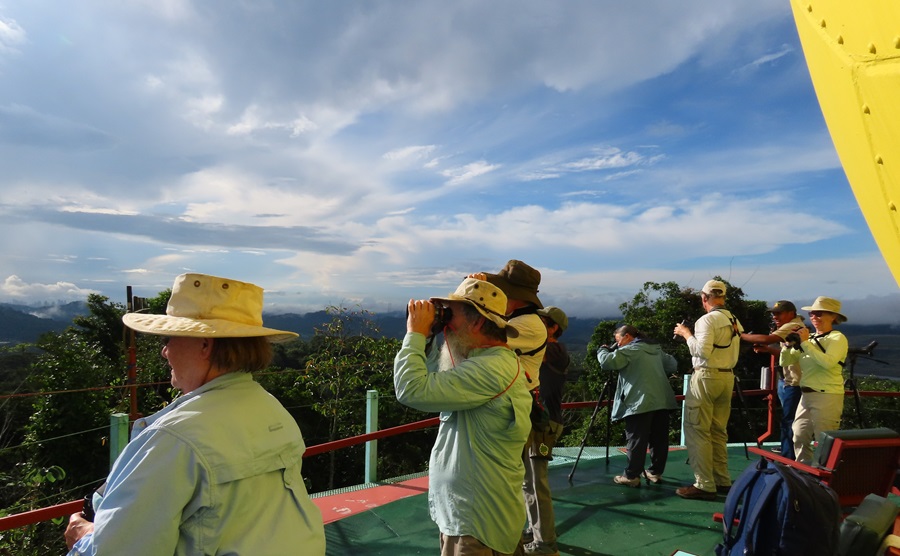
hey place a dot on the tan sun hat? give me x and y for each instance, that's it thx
(204, 306)
(488, 299)
(712, 286)
(828, 304)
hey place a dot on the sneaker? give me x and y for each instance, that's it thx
(623, 480)
(651, 478)
(723, 489)
(693, 493)
(541, 549)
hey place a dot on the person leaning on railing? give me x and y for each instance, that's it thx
(218, 470)
(821, 357)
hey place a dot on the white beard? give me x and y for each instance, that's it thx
(454, 351)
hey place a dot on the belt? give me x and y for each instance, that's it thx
(712, 369)
(808, 389)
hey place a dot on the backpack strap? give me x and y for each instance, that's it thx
(740, 491)
(531, 352)
(734, 327)
(527, 310)
(773, 483)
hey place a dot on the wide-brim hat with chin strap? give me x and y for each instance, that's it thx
(518, 281)
(488, 299)
(204, 306)
(829, 304)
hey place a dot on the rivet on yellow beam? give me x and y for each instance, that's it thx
(840, 39)
(878, 159)
(872, 47)
(865, 108)
(822, 24)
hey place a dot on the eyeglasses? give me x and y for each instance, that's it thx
(818, 313)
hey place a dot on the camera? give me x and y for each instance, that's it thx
(442, 316)
(793, 340)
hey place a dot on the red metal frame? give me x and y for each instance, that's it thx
(63, 510)
(854, 468)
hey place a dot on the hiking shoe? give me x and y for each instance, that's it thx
(723, 489)
(651, 478)
(693, 493)
(537, 548)
(623, 480)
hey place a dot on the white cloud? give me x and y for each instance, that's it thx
(415, 152)
(17, 290)
(11, 35)
(468, 172)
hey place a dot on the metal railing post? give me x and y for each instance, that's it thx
(684, 390)
(118, 435)
(371, 474)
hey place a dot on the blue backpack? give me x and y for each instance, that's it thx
(779, 510)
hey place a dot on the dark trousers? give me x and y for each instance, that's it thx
(645, 430)
(790, 398)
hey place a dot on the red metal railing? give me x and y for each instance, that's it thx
(63, 510)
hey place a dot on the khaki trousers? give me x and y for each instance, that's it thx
(470, 546)
(707, 406)
(816, 412)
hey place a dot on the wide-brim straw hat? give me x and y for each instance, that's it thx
(204, 306)
(829, 304)
(488, 299)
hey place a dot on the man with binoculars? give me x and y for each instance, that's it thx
(479, 387)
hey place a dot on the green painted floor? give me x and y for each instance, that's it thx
(594, 516)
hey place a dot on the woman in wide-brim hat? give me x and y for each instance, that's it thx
(225, 450)
(821, 358)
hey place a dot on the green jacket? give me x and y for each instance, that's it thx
(643, 384)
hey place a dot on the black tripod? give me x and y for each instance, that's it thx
(850, 383)
(605, 395)
(745, 414)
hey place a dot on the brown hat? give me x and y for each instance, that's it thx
(518, 281)
(203, 306)
(782, 306)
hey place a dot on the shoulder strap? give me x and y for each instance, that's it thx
(773, 482)
(531, 352)
(734, 327)
(513, 381)
(737, 496)
(815, 340)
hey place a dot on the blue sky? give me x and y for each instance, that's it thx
(369, 152)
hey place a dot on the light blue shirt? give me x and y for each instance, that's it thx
(475, 471)
(215, 472)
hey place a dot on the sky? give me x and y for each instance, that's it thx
(365, 153)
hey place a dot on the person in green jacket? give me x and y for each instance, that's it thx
(643, 400)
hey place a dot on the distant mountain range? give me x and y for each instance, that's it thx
(24, 324)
